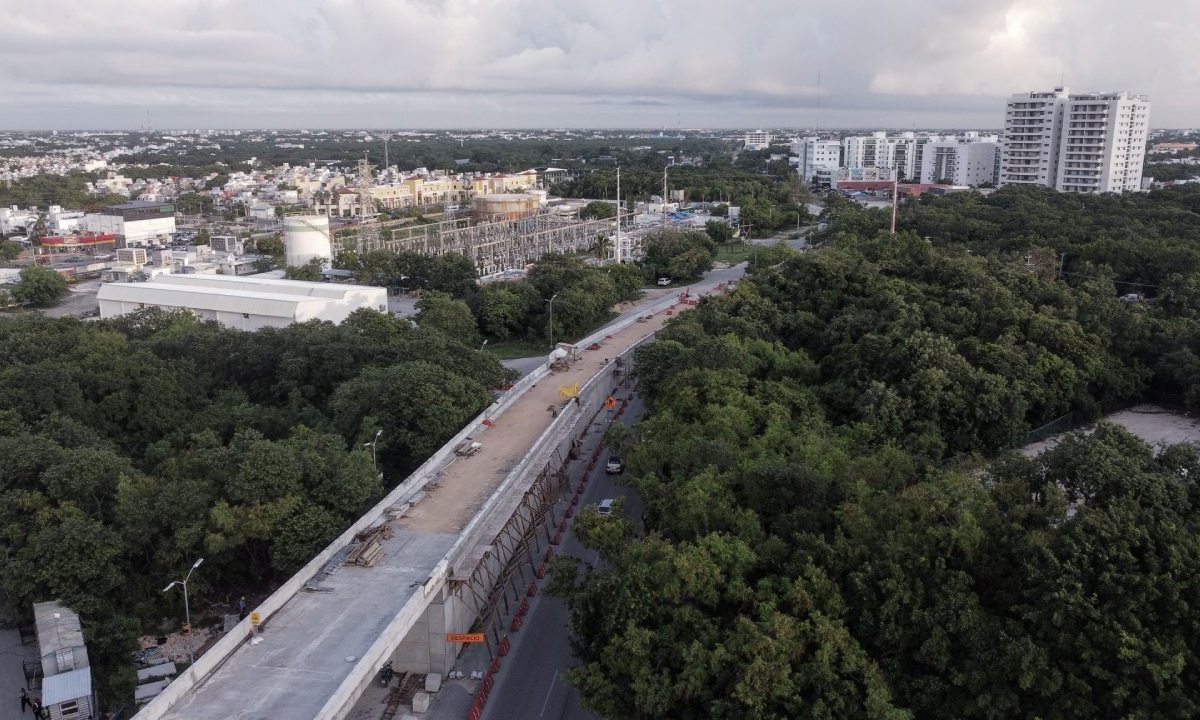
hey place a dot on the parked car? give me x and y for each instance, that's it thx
(664, 281)
(605, 508)
(614, 466)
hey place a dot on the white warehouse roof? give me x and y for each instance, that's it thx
(246, 303)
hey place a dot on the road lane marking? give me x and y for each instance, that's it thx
(547, 700)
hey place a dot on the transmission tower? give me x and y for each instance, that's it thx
(368, 226)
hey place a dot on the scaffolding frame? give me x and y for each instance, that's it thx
(496, 568)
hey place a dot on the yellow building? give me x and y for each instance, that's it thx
(391, 197)
(498, 184)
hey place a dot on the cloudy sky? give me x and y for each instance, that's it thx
(579, 63)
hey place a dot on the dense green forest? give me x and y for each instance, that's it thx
(481, 155)
(131, 447)
(70, 191)
(808, 553)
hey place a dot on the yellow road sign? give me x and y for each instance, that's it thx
(255, 619)
(464, 637)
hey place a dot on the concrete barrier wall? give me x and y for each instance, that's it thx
(220, 652)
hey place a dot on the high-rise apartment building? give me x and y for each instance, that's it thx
(1092, 142)
(902, 153)
(756, 140)
(969, 160)
(812, 155)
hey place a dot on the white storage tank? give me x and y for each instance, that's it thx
(306, 237)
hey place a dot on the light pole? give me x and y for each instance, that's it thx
(372, 444)
(551, 301)
(187, 610)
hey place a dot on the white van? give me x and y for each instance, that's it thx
(606, 507)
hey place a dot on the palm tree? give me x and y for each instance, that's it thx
(603, 247)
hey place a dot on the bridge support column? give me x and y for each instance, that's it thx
(425, 649)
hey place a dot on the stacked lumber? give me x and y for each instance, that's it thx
(368, 546)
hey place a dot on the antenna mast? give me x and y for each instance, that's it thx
(386, 135)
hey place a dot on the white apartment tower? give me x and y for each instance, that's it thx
(756, 140)
(813, 155)
(1104, 142)
(969, 160)
(1090, 142)
(902, 153)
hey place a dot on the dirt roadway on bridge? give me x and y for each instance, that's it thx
(468, 482)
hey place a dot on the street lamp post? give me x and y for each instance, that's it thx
(372, 444)
(187, 610)
(551, 301)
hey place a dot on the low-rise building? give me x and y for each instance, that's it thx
(244, 303)
(66, 671)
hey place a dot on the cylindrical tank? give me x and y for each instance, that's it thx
(503, 206)
(306, 237)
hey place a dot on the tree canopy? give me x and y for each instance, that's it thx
(809, 550)
(130, 447)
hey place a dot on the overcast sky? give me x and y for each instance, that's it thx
(580, 63)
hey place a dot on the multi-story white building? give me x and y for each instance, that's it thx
(1103, 143)
(902, 153)
(756, 140)
(1090, 142)
(811, 155)
(136, 223)
(969, 160)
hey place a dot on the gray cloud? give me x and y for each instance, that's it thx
(533, 63)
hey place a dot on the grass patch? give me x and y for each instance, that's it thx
(523, 348)
(511, 349)
(734, 254)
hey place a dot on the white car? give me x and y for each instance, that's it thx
(605, 508)
(664, 281)
(614, 466)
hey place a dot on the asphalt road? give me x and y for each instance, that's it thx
(711, 279)
(533, 683)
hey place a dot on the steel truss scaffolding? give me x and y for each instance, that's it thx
(500, 571)
(498, 244)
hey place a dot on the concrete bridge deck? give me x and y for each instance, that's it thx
(324, 633)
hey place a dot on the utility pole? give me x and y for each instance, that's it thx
(551, 301)
(895, 195)
(617, 250)
(375, 440)
(1062, 260)
(187, 609)
(664, 200)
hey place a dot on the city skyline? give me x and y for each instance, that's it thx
(520, 64)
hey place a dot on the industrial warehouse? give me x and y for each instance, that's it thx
(243, 303)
